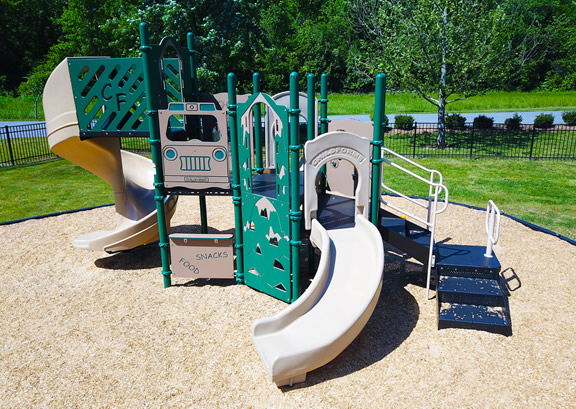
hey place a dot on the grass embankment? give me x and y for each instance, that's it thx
(20, 109)
(539, 192)
(495, 101)
(49, 187)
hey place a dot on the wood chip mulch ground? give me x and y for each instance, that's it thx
(82, 329)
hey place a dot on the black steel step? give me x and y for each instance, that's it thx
(395, 224)
(466, 261)
(480, 317)
(406, 236)
(463, 290)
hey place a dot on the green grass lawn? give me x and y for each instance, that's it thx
(541, 192)
(495, 101)
(48, 187)
(19, 109)
(22, 108)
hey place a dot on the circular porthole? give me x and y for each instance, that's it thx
(219, 154)
(170, 153)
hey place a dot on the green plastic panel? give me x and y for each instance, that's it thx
(265, 220)
(266, 232)
(110, 96)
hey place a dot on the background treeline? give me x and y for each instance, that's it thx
(273, 37)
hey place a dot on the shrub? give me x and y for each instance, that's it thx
(455, 121)
(514, 122)
(483, 122)
(385, 118)
(405, 122)
(569, 117)
(544, 121)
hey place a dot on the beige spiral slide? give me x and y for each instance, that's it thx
(131, 176)
(332, 311)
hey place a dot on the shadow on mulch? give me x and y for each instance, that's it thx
(148, 256)
(392, 322)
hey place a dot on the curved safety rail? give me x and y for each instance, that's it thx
(492, 227)
(436, 187)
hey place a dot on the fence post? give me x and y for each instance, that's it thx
(471, 141)
(9, 145)
(532, 141)
(414, 143)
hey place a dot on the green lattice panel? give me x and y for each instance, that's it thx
(110, 97)
(265, 220)
(266, 233)
(281, 142)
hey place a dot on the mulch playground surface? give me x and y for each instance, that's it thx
(82, 329)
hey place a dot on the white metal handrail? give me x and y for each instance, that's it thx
(435, 190)
(492, 227)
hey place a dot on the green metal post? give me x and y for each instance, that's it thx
(236, 194)
(323, 121)
(151, 89)
(257, 124)
(324, 103)
(203, 214)
(311, 112)
(377, 141)
(295, 213)
(192, 53)
(311, 128)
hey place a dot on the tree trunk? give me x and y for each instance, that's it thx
(36, 106)
(441, 141)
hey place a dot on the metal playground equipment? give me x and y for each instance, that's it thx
(329, 177)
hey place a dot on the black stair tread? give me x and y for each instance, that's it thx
(466, 285)
(474, 314)
(396, 224)
(401, 226)
(457, 255)
(421, 237)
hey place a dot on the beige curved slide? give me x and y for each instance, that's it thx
(332, 311)
(131, 176)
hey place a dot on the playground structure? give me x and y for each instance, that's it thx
(90, 102)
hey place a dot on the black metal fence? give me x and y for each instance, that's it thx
(20, 144)
(23, 143)
(527, 142)
(28, 143)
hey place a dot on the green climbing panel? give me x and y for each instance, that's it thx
(265, 214)
(267, 245)
(110, 94)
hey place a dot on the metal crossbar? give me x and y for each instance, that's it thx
(436, 187)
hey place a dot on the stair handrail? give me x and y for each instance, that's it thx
(435, 190)
(492, 227)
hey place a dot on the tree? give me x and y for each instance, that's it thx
(307, 37)
(227, 34)
(27, 29)
(436, 48)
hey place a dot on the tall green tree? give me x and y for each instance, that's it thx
(307, 37)
(548, 29)
(444, 50)
(27, 30)
(228, 35)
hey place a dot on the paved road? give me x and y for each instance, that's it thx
(499, 117)
(14, 123)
